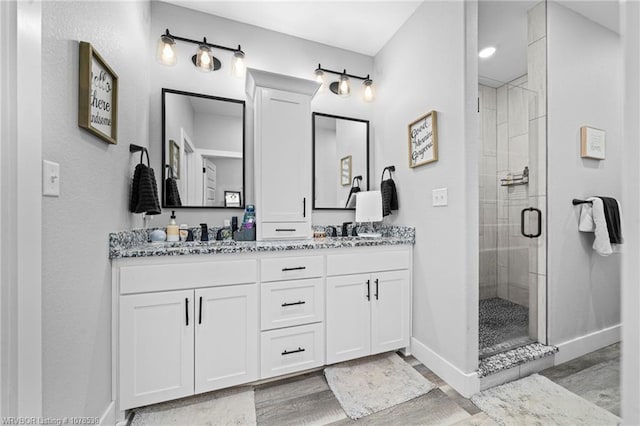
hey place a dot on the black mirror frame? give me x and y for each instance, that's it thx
(313, 156)
(164, 148)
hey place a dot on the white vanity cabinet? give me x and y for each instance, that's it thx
(199, 337)
(367, 313)
(282, 149)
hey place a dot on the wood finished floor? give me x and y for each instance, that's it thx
(307, 399)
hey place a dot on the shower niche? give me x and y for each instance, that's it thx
(512, 193)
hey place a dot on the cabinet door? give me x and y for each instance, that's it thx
(156, 347)
(348, 317)
(390, 311)
(285, 157)
(226, 323)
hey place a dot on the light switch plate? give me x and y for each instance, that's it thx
(439, 197)
(50, 179)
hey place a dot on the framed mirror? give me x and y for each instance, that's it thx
(340, 160)
(203, 150)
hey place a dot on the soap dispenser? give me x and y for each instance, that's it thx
(173, 231)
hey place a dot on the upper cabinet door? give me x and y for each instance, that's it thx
(285, 156)
(226, 327)
(390, 311)
(156, 347)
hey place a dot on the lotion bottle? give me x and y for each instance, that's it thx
(173, 231)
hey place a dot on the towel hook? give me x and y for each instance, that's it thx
(390, 168)
(576, 202)
(137, 148)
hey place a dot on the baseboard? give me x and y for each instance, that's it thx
(467, 384)
(582, 345)
(109, 416)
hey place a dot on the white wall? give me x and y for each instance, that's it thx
(424, 68)
(94, 193)
(218, 132)
(630, 369)
(327, 168)
(266, 50)
(584, 88)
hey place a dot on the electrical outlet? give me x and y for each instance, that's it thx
(50, 179)
(439, 197)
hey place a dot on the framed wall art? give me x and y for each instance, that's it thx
(174, 159)
(97, 95)
(423, 140)
(592, 143)
(345, 170)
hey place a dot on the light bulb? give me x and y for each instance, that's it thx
(368, 90)
(343, 86)
(166, 54)
(204, 61)
(238, 67)
(320, 76)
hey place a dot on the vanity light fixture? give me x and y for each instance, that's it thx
(204, 60)
(487, 52)
(342, 87)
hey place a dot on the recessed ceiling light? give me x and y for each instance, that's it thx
(486, 52)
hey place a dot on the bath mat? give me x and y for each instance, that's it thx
(537, 400)
(367, 386)
(235, 406)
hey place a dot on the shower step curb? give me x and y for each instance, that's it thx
(513, 358)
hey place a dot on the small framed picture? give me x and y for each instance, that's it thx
(97, 95)
(423, 140)
(592, 143)
(345, 170)
(232, 199)
(174, 159)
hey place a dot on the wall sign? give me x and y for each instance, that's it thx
(592, 143)
(97, 95)
(423, 140)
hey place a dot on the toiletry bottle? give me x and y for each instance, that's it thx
(184, 232)
(204, 232)
(226, 231)
(173, 232)
(249, 219)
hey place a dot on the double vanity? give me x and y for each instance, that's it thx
(193, 317)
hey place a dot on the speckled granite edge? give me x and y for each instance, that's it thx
(513, 358)
(136, 243)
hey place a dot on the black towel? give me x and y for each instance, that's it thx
(389, 195)
(612, 216)
(144, 190)
(172, 195)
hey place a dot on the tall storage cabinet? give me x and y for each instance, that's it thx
(282, 150)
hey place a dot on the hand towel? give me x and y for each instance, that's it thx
(586, 218)
(602, 242)
(612, 216)
(144, 190)
(172, 195)
(389, 195)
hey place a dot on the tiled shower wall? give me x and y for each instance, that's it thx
(488, 193)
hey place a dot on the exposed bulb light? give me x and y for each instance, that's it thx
(204, 60)
(487, 52)
(239, 67)
(166, 52)
(368, 90)
(320, 77)
(344, 88)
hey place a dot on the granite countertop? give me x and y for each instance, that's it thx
(135, 244)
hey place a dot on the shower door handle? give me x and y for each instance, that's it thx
(522, 215)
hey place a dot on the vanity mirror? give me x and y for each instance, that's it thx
(340, 158)
(202, 150)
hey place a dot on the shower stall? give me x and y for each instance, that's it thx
(512, 193)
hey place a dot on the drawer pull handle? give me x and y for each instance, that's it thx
(297, 268)
(300, 302)
(368, 289)
(293, 352)
(376, 289)
(186, 309)
(285, 230)
(200, 312)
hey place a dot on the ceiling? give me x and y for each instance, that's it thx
(503, 24)
(360, 26)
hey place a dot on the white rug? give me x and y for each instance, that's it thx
(536, 400)
(235, 406)
(367, 386)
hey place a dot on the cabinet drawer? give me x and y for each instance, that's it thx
(342, 264)
(291, 268)
(144, 278)
(291, 349)
(286, 230)
(290, 303)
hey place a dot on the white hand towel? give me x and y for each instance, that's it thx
(586, 219)
(601, 244)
